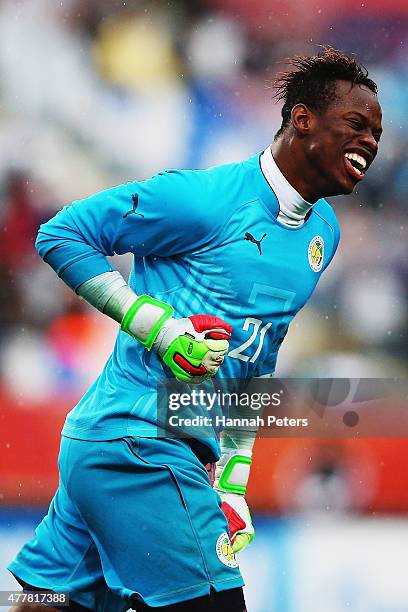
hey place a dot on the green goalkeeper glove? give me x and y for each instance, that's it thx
(231, 477)
(193, 347)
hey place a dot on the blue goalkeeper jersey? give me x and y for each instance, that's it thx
(205, 241)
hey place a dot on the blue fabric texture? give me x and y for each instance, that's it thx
(106, 537)
(134, 512)
(205, 241)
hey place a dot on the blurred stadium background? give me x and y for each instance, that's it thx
(98, 92)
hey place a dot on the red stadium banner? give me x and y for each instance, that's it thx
(288, 475)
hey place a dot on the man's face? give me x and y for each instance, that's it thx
(343, 140)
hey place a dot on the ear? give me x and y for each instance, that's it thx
(302, 119)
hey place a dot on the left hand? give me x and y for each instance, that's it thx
(239, 520)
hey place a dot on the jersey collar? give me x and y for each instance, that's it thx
(292, 207)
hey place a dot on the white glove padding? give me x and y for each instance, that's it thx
(239, 520)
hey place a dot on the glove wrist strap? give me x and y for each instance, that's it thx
(145, 318)
(233, 473)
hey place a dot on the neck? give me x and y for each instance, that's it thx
(290, 162)
(293, 208)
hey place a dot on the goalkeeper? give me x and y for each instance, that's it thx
(223, 260)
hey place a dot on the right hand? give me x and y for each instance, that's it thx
(193, 347)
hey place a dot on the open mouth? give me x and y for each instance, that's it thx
(355, 165)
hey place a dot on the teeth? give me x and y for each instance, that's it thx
(357, 158)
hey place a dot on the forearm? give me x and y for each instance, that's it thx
(110, 293)
(232, 469)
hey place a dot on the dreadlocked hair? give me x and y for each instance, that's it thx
(312, 81)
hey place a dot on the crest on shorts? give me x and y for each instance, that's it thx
(315, 253)
(224, 551)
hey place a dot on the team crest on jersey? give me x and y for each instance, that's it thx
(315, 253)
(224, 551)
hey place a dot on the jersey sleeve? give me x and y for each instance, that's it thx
(166, 215)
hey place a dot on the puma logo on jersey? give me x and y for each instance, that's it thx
(135, 199)
(250, 237)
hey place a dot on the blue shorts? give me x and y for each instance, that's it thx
(131, 516)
